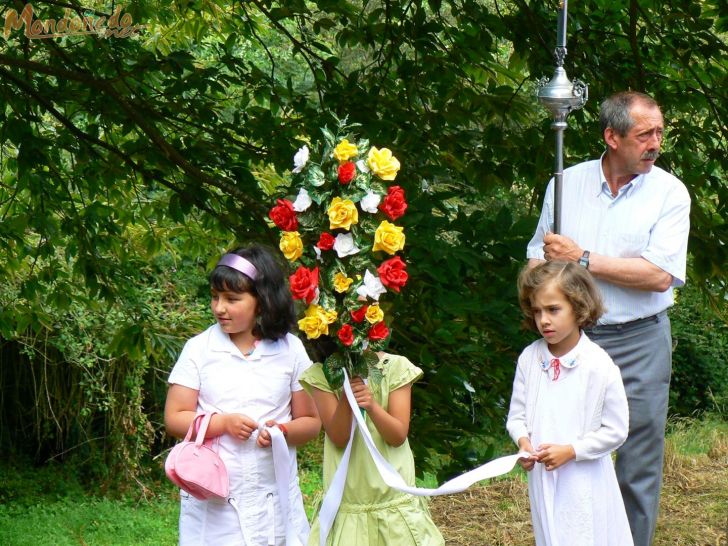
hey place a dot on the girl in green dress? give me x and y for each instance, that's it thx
(371, 513)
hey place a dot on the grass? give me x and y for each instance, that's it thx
(47, 506)
(70, 522)
(310, 462)
(695, 497)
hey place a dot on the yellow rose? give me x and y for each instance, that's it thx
(383, 163)
(344, 150)
(388, 238)
(313, 327)
(331, 316)
(291, 245)
(342, 282)
(374, 314)
(342, 213)
(316, 321)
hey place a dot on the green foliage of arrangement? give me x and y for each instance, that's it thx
(127, 165)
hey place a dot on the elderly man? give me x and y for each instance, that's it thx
(627, 222)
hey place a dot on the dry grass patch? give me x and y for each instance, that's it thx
(496, 514)
(694, 502)
(693, 507)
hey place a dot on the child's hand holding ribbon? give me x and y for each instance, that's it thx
(362, 394)
(527, 463)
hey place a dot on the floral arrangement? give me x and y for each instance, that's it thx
(340, 236)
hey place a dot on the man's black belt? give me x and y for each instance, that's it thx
(662, 315)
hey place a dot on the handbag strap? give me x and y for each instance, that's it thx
(194, 425)
(202, 431)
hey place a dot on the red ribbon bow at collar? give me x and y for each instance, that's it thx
(556, 364)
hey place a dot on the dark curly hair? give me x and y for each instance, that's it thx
(276, 316)
(573, 280)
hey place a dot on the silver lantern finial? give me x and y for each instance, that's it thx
(560, 97)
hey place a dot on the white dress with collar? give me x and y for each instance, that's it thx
(259, 386)
(578, 504)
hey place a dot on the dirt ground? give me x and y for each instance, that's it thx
(693, 507)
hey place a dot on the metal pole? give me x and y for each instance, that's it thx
(560, 96)
(561, 25)
(558, 173)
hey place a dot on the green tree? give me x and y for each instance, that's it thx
(122, 156)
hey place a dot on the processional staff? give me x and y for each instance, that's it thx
(560, 96)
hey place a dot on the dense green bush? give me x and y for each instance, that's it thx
(84, 379)
(700, 340)
(460, 321)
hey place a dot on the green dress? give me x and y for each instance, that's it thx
(371, 513)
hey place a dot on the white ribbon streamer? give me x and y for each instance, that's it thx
(390, 476)
(332, 499)
(286, 472)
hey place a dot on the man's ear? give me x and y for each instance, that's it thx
(611, 138)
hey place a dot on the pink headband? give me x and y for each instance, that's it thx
(238, 263)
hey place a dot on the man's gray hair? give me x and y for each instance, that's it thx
(615, 110)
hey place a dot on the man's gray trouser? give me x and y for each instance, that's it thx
(643, 351)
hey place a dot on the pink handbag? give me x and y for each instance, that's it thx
(195, 466)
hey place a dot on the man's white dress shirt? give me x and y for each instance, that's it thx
(649, 218)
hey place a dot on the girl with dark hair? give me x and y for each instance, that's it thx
(246, 368)
(569, 411)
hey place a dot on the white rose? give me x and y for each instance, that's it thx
(372, 287)
(344, 245)
(370, 202)
(300, 159)
(303, 201)
(362, 166)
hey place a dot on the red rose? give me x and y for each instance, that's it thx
(394, 204)
(346, 335)
(393, 273)
(284, 216)
(358, 315)
(378, 331)
(347, 171)
(326, 241)
(304, 283)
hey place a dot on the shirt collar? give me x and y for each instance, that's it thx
(221, 342)
(625, 190)
(569, 360)
(603, 186)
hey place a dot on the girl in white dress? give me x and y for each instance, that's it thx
(569, 410)
(246, 368)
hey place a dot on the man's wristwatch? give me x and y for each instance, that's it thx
(584, 260)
